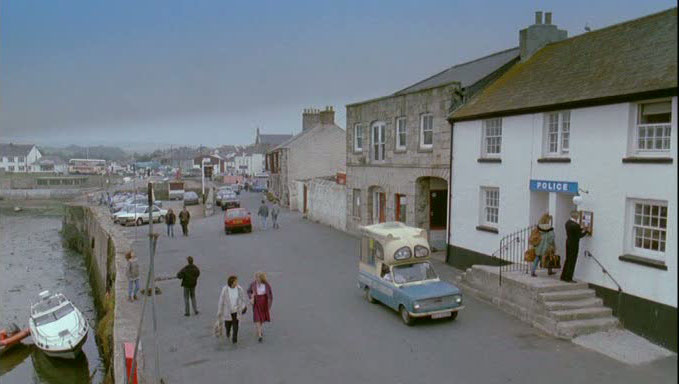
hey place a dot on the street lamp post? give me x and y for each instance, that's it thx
(202, 175)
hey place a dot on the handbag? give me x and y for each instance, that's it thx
(218, 328)
(529, 255)
(551, 259)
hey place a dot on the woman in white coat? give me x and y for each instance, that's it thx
(232, 304)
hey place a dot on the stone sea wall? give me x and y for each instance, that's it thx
(90, 231)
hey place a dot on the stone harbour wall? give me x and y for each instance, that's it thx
(90, 231)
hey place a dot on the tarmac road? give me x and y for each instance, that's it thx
(323, 331)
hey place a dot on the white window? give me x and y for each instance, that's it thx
(492, 137)
(557, 133)
(358, 137)
(648, 227)
(401, 133)
(22, 159)
(654, 128)
(426, 131)
(490, 206)
(378, 141)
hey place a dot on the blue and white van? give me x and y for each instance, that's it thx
(395, 269)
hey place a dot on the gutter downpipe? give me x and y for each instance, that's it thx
(450, 191)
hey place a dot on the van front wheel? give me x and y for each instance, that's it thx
(405, 316)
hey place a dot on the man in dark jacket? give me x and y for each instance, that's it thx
(184, 217)
(574, 233)
(189, 276)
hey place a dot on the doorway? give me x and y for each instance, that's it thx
(305, 199)
(438, 202)
(379, 207)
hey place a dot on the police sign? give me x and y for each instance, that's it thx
(569, 187)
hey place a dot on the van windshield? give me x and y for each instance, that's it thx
(410, 273)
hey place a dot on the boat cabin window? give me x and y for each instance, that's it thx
(53, 316)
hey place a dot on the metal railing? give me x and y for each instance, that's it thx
(620, 292)
(512, 249)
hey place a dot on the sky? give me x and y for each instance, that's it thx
(154, 73)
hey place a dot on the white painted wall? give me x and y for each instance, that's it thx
(599, 142)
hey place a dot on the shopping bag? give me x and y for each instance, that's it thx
(529, 255)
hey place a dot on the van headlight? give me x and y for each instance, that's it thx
(402, 254)
(458, 299)
(421, 251)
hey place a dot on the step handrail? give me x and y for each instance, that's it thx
(620, 291)
(603, 269)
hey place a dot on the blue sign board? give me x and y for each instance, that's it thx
(569, 187)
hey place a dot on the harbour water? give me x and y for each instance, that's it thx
(32, 259)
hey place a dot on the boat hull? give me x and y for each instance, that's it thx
(70, 353)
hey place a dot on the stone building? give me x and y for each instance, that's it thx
(319, 150)
(398, 148)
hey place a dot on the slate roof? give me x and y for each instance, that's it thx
(273, 139)
(11, 150)
(286, 144)
(631, 58)
(466, 73)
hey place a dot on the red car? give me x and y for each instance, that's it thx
(237, 218)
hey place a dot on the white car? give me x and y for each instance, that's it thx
(141, 215)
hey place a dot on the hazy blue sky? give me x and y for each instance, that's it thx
(209, 72)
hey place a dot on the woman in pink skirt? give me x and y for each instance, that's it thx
(261, 298)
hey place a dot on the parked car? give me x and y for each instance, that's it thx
(237, 219)
(124, 210)
(191, 198)
(140, 215)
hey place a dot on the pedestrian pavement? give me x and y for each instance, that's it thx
(323, 330)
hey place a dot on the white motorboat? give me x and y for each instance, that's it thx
(58, 328)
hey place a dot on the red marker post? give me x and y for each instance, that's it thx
(129, 358)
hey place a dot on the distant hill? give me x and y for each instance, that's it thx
(78, 152)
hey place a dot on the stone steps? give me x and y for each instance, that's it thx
(581, 313)
(575, 328)
(575, 294)
(562, 287)
(573, 304)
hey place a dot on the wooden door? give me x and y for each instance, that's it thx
(438, 204)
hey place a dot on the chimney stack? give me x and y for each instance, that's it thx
(538, 35)
(311, 117)
(328, 116)
(538, 17)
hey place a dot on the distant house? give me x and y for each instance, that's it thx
(50, 163)
(319, 150)
(19, 157)
(213, 164)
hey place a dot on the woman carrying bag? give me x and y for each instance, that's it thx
(544, 250)
(231, 305)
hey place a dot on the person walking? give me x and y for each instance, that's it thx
(261, 298)
(170, 220)
(189, 276)
(231, 305)
(544, 250)
(275, 210)
(184, 217)
(574, 232)
(132, 274)
(263, 214)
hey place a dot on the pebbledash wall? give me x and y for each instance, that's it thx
(599, 161)
(89, 230)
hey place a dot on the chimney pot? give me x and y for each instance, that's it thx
(538, 17)
(548, 18)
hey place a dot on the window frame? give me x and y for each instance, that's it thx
(398, 145)
(563, 134)
(630, 246)
(423, 145)
(483, 207)
(358, 134)
(378, 148)
(356, 205)
(636, 123)
(485, 136)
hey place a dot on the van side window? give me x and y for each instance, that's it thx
(377, 250)
(367, 251)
